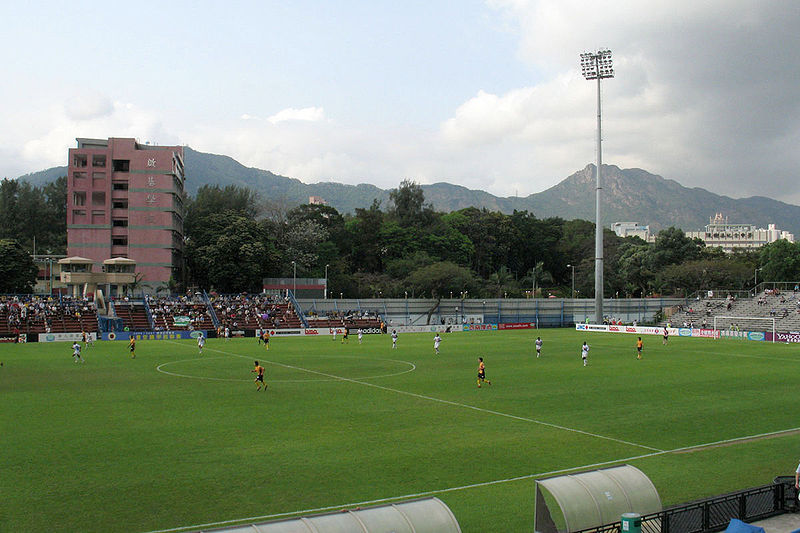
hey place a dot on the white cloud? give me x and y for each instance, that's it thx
(704, 93)
(307, 114)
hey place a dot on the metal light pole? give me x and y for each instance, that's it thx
(326, 282)
(596, 66)
(572, 294)
(294, 279)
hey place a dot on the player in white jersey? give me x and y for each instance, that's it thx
(394, 339)
(201, 341)
(584, 353)
(436, 341)
(360, 335)
(539, 343)
(76, 352)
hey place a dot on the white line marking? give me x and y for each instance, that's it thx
(449, 402)
(195, 359)
(471, 486)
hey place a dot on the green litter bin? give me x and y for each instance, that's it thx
(631, 523)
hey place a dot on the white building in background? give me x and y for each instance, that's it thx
(633, 229)
(720, 233)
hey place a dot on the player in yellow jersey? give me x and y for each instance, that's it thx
(132, 347)
(265, 338)
(482, 373)
(259, 371)
(639, 345)
(346, 336)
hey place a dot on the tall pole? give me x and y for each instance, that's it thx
(596, 66)
(572, 294)
(326, 282)
(598, 231)
(294, 279)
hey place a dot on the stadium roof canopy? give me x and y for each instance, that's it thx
(593, 499)
(430, 515)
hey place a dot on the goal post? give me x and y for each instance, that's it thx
(746, 323)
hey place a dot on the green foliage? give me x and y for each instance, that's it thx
(780, 261)
(486, 252)
(233, 257)
(439, 279)
(17, 269)
(408, 200)
(40, 213)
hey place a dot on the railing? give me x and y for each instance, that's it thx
(149, 314)
(214, 319)
(298, 310)
(714, 514)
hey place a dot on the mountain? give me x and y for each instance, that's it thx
(638, 196)
(631, 195)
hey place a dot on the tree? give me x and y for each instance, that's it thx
(302, 243)
(17, 269)
(780, 261)
(673, 246)
(408, 200)
(214, 200)
(537, 276)
(366, 251)
(440, 278)
(234, 258)
(498, 281)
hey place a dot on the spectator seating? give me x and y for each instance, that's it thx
(164, 311)
(260, 311)
(133, 315)
(40, 314)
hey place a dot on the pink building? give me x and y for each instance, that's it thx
(125, 199)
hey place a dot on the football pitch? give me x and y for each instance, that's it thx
(174, 440)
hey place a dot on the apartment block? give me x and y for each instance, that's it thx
(125, 200)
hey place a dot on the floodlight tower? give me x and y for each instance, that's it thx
(596, 66)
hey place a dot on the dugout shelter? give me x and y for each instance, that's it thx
(575, 502)
(426, 515)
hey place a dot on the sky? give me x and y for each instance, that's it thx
(485, 94)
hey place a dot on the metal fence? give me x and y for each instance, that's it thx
(714, 514)
(545, 312)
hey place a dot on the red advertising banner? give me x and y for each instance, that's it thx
(517, 325)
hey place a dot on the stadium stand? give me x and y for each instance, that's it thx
(133, 315)
(39, 314)
(260, 311)
(165, 311)
(348, 319)
(784, 307)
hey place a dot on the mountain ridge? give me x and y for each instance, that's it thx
(634, 195)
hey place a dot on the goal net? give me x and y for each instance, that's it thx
(743, 324)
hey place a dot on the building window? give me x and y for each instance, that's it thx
(98, 217)
(78, 216)
(122, 165)
(99, 161)
(119, 241)
(79, 160)
(78, 198)
(120, 223)
(98, 176)
(120, 204)
(120, 186)
(98, 198)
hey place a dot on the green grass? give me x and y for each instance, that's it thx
(117, 445)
